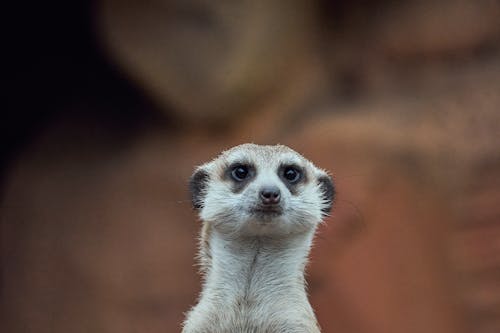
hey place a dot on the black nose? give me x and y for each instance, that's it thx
(270, 195)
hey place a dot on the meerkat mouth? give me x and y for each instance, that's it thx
(266, 211)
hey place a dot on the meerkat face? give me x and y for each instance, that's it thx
(261, 190)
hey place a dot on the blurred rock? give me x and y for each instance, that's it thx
(208, 60)
(91, 240)
(419, 30)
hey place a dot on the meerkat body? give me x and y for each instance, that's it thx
(260, 206)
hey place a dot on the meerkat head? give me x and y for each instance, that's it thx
(261, 190)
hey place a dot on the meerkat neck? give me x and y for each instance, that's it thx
(255, 268)
(255, 284)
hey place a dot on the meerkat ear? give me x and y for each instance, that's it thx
(197, 186)
(328, 188)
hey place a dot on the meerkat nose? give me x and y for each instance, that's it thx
(270, 195)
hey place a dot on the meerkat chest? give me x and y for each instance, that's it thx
(254, 292)
(246, 318)
(255, 300)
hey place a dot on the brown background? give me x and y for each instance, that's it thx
(115, 102)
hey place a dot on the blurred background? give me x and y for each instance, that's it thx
(111, 104)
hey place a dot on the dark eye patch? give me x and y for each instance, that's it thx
(292, 175)
(239, 174)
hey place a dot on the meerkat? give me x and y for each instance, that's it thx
(260, 206)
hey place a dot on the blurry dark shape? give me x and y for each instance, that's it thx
(69, 118)
(58, 71)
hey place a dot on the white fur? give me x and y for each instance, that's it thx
(254, 278)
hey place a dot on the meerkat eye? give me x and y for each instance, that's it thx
(239, 172)
(291, 174)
